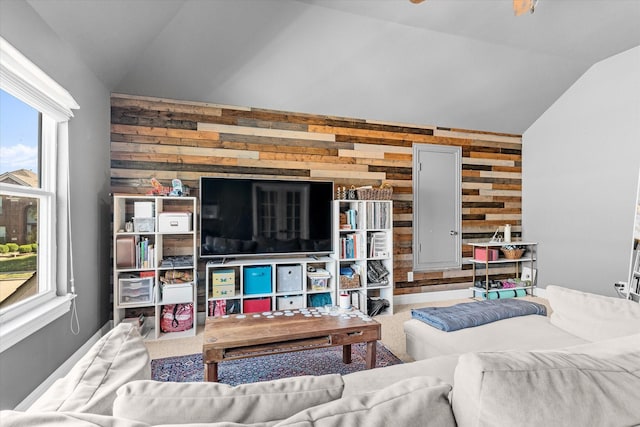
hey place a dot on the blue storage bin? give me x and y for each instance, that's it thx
(257, 279)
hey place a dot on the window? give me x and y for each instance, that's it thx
(19, 161)
(34, 112)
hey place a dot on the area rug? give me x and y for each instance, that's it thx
(322, 361)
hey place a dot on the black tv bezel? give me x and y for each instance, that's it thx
(264, 255)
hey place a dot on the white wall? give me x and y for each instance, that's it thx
(25, 365)
(580, 174)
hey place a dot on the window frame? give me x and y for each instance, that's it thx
(25, 81)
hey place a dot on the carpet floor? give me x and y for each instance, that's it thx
(190, 368)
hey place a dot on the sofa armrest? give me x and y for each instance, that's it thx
(584, 385)
(119, 357)
(592, 317)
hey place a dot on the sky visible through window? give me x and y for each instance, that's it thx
(18, 135)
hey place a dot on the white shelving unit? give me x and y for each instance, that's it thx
(271, 284)
(154, 241)
(363, 239)
(529, 257)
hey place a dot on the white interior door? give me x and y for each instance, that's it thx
(436, 207)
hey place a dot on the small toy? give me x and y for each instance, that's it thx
(158, 189)
(178, 188)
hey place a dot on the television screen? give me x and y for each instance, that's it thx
(242, 217)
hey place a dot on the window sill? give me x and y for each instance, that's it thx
(16, 329)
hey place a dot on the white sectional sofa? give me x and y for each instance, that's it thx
(576, 318)
(591, 378)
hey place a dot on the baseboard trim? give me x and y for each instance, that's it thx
(540, 292)
(63, 369)
(431, 296)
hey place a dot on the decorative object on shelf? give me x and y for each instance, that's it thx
(345, 301)
(496, 238)
(178, 189)
(507, 233)
(158, 189)
(528, 275)
(512, 251)
(384, 192)
(351, 194)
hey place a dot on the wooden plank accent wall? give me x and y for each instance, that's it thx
(166, 139)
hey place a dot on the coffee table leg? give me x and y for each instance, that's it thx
(346, 353)
(371, 354)
(211, 372)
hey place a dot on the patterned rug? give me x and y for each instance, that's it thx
(264, 368)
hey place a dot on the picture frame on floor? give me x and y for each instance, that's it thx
(528, 273)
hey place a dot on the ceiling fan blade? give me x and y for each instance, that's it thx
(520, 7)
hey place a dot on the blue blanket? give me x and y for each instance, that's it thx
(470, 314)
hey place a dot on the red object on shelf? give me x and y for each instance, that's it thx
(481, 254)
(256, 305)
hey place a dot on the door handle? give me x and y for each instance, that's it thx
(453, 233)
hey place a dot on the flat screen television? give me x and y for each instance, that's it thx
(248, 217)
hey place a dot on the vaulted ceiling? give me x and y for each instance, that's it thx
(456, 63)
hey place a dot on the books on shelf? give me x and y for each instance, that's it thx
(145, 253)
(378, 215)
(351, 219)
(378, 244)
(352, 246)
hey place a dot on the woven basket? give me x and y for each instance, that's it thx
(512, 253)
(383, 193)
(347, 282)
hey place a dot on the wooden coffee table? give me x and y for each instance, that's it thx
(259, 334)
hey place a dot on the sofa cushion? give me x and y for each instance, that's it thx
(115, 359)
(608, 347)
(370, 380)
(156, 402)
(590, 316)
(586, 386)
(63, 419)
(518, 333)
(419, 402)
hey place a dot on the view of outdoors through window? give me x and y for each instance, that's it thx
(19, 164)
